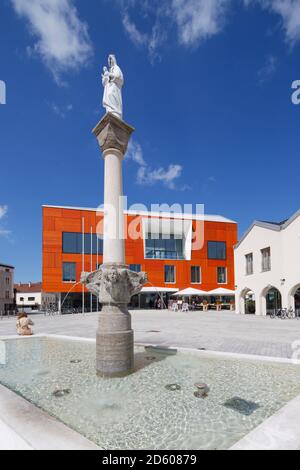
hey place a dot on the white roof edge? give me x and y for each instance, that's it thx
(269, 226)
(205, 217)
(257, 223)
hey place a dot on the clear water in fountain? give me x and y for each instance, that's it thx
(154, 408)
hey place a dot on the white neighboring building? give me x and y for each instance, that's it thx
(267, 267)
(31, 296)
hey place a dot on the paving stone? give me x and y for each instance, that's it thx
(227, 332)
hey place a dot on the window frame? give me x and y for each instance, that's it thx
(87, 244)
(200, 275)
(226, 276)
(216, 257)
(160, 248)
(247, 264)
(135, 265)
(165, 273)
(75, 266)
(269, 267)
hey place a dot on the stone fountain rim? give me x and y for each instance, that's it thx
(283, 438)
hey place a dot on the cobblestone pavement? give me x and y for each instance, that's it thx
(225, 332)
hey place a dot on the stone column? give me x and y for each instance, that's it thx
(113, 205)
(114, 283)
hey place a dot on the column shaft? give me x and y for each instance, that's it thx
(114, 248)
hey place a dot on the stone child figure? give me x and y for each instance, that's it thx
(113, 81)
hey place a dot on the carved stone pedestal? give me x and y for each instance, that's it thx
(115, 285)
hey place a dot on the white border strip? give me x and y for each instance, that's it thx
(279, 432)
(32, 428)
(24, 426)
(228, 355)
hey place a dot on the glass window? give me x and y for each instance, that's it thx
(217, 250)
(136, 268)
(266, 259)
(72, 243)
(69, 272)
(195, 275)
(249, 264)
(161, 248)
(222, 275)
(170, 275)
(31, 299)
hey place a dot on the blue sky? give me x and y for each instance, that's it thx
(208, 89)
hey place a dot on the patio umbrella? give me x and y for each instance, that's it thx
(190, 292)
(222, 292)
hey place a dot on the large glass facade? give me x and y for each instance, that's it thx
(161, 248)
(217, 250)
(73, 303)
(72, 243)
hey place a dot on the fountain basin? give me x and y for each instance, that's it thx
(139, 411)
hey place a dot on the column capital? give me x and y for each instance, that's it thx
(113, 133)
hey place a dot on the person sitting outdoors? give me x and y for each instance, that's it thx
(23, 325)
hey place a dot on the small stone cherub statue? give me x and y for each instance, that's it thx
(105, 76)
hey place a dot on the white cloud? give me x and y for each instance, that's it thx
(268, 70)
(138, 38)
(289, 11)
(198, 20)
(151, 41)
(208, 184)
(63, 41)
(135, 153)
(61, 111)
(195, 20)
(4, 233)
(3, 211)
(166, 176)
(149, 176)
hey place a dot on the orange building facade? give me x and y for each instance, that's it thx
(71, 246)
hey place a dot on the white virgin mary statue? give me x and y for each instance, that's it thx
(113, 82)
